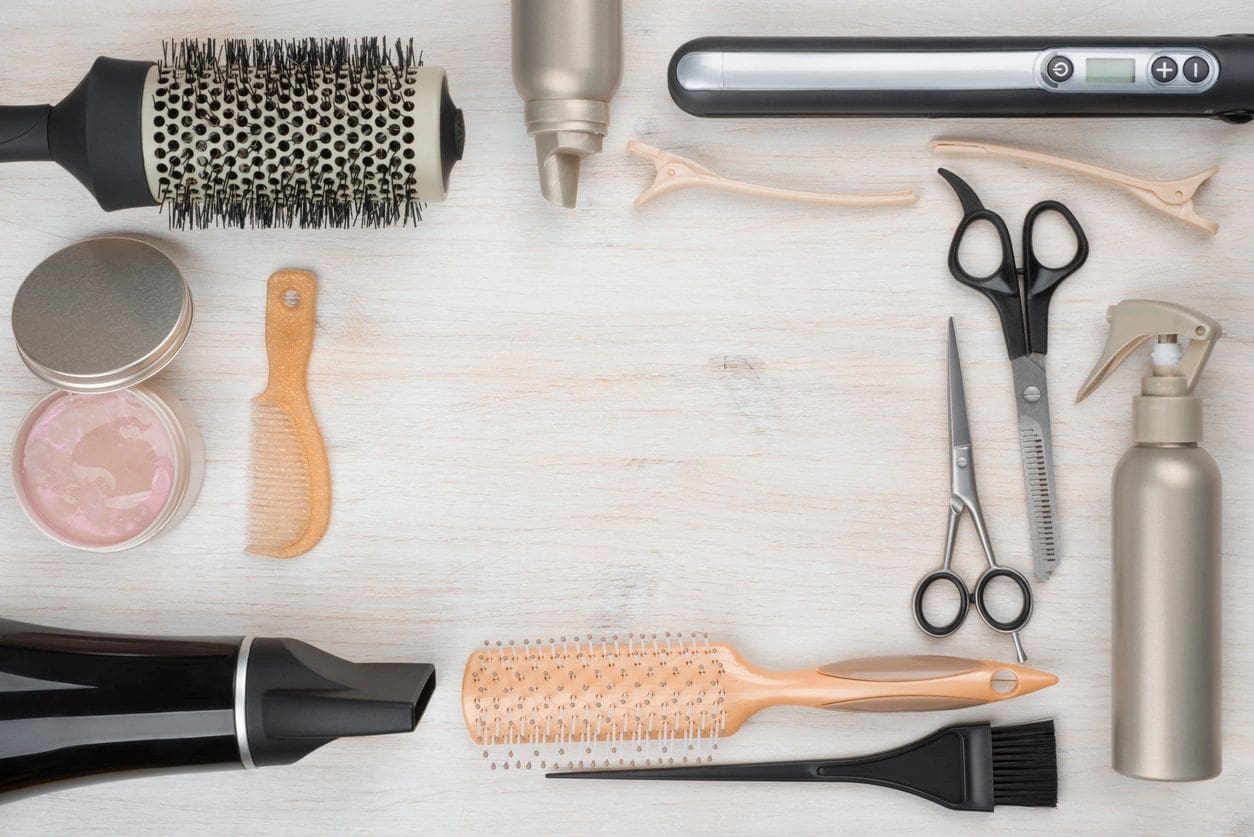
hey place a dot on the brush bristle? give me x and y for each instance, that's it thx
(1025, 765)
(647, 699)
(280, 501)
(275, 133)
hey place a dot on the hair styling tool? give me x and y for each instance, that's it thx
(568, 61)
(290, 505)
(1021, 297)
(1173, 197)
(256, 133)
(1166, 515)
(76, 706)
(974, 767)
(674, 696)
(946, 77)
(675, 172)
(964, 497)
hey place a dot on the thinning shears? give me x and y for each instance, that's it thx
(964, 497)
(1021, 297)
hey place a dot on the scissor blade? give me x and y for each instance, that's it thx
(1032, 398)
(959, 429)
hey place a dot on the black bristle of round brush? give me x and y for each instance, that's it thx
(322, 162)
(1025, 765)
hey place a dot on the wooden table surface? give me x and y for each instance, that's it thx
(712, 414)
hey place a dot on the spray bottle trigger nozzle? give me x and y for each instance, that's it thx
(1134, 321)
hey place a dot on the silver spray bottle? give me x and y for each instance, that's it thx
(1166, 512)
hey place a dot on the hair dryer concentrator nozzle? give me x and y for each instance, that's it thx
(298, 698)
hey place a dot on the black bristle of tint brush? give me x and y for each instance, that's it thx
(1025, 765)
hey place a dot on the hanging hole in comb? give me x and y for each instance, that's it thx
(291, 298)
(1004, 681)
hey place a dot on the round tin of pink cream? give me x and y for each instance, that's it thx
(107, 461)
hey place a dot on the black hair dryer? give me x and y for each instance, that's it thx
(77, 707)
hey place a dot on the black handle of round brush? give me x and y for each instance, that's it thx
(24, 133)
(95, 133)
(943, 767)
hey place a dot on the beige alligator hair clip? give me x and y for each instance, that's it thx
(675, 173)
(1174, 197)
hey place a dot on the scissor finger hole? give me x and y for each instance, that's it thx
(979, 252)
(1054, 242)
(933, 602)
(1004, 599)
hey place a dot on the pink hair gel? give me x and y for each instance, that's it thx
(96, 470)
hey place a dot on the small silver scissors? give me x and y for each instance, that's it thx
(963, 496)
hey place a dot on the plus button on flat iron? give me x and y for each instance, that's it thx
(1059, 69)
(1164, 70)
(1196, 70)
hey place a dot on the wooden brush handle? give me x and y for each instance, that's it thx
(291, 307)
(912, 683)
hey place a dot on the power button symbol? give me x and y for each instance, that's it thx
(1059, 69)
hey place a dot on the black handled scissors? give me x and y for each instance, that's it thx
(1021, 297)
(964, 497)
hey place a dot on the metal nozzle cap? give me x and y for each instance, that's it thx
(565, 131)
(557, 156)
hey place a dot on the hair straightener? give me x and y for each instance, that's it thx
(972, 77)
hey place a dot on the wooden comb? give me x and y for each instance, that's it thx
(572, 693)
(290, 502)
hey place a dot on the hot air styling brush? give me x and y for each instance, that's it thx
(261, 133)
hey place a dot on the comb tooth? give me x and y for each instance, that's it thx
(279, 497)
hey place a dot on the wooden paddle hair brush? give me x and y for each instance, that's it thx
(683, 693)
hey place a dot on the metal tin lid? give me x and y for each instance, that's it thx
(102, 315)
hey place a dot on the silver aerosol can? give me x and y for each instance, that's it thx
(568, 61)
(1166, 512)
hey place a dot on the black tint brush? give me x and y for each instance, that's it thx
(974, 767)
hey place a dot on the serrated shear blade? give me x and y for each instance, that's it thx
(1035, 444)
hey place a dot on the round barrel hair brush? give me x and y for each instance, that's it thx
(260, 133)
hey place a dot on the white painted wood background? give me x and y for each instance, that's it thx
(712, 414)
